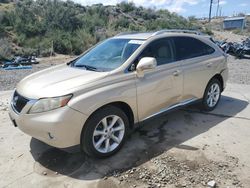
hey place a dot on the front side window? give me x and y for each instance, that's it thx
(161, 50)
(108, 55)
(188, 47)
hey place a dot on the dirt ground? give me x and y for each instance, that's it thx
(184, 148)
(239, 71)
(9, 78)
(229, 36)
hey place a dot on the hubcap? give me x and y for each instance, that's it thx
(213, 95)
(108, 134)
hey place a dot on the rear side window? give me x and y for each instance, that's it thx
(161, 50)
(188, 47)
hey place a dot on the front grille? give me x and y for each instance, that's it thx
(19, 102)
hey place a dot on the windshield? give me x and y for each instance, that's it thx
(108, 55)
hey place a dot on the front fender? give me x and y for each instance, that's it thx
(109, 92)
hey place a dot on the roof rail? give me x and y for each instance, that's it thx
(127, 33)
(176, 31)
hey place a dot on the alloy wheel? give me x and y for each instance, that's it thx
(108, 134)
(213, 95)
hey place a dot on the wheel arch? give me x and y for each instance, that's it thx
(123, 106)
(219, 78)
(85, 142)
(205, 106)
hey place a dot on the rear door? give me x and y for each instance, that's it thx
(198, 65)
(161, 87)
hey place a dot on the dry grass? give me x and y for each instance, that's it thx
(6, 6)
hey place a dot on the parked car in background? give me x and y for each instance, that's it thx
(33, 60)
(96, 99)
(28, 60)
(20, 62)
(239, 50)
(7, 63)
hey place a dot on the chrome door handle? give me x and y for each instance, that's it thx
(176, 73)
(209, 65)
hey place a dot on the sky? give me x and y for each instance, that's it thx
(198, 8)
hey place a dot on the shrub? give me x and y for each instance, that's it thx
(237, 31)
(4, 1)
(72, 28)
(127, 7)
(5, 48)
(46, 53)
(81, 41)
(208, 31)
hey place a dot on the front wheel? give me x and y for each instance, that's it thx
(212, 95)
(105, 132)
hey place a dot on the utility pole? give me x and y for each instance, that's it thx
(52, 48)
(210, 10)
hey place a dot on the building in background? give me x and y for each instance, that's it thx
(234, 23)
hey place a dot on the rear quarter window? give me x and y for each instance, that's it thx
(188, 47)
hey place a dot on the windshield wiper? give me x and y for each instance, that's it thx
(87, 67)
(72, 62)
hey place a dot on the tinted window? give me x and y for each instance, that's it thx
(187, 47)
(161, 50)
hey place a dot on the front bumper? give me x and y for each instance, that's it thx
(59, 128)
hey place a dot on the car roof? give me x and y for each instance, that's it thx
(143, 36)
(147, 35)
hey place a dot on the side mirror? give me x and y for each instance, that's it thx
(146, 63)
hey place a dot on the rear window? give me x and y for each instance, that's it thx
(188, 47)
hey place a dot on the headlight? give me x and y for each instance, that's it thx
(47, 104)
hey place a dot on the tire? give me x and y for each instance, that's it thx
(96, 146)
(207, 105)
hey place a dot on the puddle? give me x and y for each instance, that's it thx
(157, 132)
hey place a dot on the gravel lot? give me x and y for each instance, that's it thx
(9, 78)
(184, 148)
(239, 71)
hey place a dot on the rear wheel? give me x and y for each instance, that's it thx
(212, 95)
(105, 132)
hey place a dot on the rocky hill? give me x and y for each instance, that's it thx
(66, 27)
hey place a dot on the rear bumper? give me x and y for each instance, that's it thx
(224, 75)
(59, 128)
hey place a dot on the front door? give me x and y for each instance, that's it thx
(161, 87)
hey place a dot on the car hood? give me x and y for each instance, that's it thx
(56, 81)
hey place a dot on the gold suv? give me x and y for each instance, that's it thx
(97, 98)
